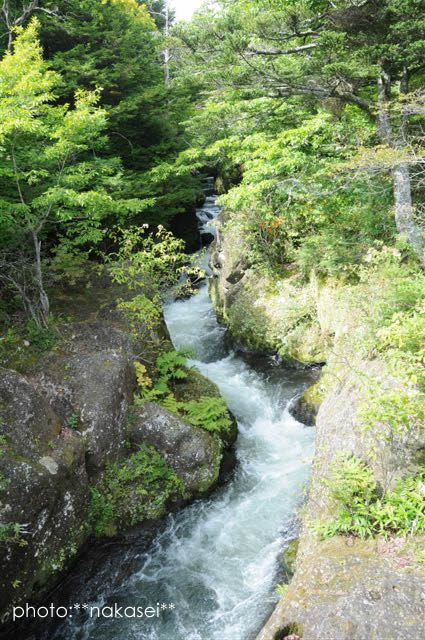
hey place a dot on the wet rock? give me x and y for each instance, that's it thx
(305, 407)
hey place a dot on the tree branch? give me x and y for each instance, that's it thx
(280, 52)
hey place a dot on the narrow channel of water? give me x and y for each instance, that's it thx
(217, 560)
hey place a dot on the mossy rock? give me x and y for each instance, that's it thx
(142, 487)
(195, 387)
(194, 454)
(307, 405)
(289, 556)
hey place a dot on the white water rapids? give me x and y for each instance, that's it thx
(217, 560)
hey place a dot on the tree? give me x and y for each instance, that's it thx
(53, 181)
(15, 15)
(348, 52)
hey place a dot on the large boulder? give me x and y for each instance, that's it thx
(44, 493)
(348, 588)
(67, 441)
(90, 383)
(266, 315)
(194, 454)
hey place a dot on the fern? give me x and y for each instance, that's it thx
(172, 365)
(170, 403)
(209, 413)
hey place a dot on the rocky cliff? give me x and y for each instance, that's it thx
(344, 588)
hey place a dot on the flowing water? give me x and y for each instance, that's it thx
(216, 561)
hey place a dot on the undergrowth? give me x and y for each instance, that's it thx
(363, 510)
(134, 490)
(209, 413)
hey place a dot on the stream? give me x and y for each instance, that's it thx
(217, 561)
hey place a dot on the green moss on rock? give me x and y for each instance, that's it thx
(306, 407)
(290, 555)
(132, 491)
(196, 387)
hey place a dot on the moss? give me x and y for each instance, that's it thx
(293, 628)
(290, 554)
(194, 387)
(210, 480)
(250, 325)
(306, 407)
(313, 396)
(137, 489)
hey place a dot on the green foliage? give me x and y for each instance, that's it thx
(289, 122)
(394, 407)
(281, 589)
(74, 422)
(52, 178)
(11, 533)
(39, 337)
(209, 413)
(362, 512)
(170, 367)
(132, 491)
(148, 264)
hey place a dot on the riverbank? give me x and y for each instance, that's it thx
(344, 587)
(81, 462)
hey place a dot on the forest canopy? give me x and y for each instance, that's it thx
(308, 113)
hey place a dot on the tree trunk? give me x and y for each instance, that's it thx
(167, 50)
(402, 188)
(43, 300)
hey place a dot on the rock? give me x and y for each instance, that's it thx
(91, 386)
(289, 556)
(194, 454)
(266, 316)
(44, 491)
(305, 407)
(347, 595)
(61, 428)
(194, 387)
(347, 588)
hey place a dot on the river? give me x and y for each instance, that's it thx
(217, 561)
